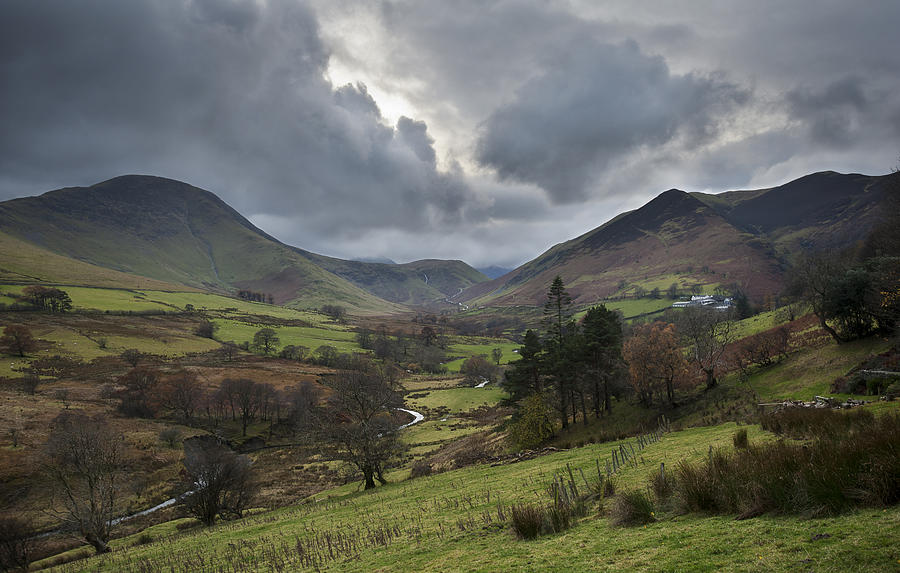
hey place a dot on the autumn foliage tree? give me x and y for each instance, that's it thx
(656, 365)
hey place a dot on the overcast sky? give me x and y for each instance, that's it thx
(474, 130)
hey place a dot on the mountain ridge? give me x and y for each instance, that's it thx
(697, 240)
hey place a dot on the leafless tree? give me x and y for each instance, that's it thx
(17, 338)
(132, 356)
(17, 543)
(182, 393)
(83, 460)
(708, 332)
(357, 417)
(221, 482)
(244, 395)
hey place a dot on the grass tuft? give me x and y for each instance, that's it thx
(632, 508)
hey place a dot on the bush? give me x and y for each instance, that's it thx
(527, 520)
(420, 469)
(893, 391)
(740, 439)
(170, 436)
(851, 461)
(535, 424)
(144, 539)
(632, 508)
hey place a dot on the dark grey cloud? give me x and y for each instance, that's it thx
(415, 135)
(482, 130)
(843, 111)
(592, 106)
(231, 96)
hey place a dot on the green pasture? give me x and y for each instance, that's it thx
(123, 300)
(464, 347)
(457, 400)
(449, 521)
(310, 337)
(809, 372)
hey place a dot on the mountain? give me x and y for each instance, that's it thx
(494, 271)
(819, 211)
(176, 234)
(415, 283)
(739, 237)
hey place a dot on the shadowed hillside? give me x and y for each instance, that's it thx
(741, 238)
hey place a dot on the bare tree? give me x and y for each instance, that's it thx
(132, 356)
(708, 332)
(244, 395)
(17, 338)
(138, 392)
(357, 418)
(182, 393)
(220, 480)
(83, 460)
(17, 543)
(477, 369)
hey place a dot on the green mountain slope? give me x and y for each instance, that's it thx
(173, 232)
(673, 238)
(738, 237)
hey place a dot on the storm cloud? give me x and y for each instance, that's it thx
(592, 106)
(480, 130)
(230, 96)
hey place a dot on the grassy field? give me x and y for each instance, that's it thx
(450, 521)
(809, 372)
(456, 400)
(310, 337)
(124, 300)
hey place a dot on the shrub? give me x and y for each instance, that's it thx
(527, 520)
(421, 468)
(740, 439)
(535, 424)
(170, 436)
(144, 539)
(893, 391)
(632, 508)
(851, 461)
(30, 382)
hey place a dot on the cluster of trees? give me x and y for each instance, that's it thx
(47, 298)
(425, 352)
(656, 364)
(574, 368)
(335, 312)
(147, 393)
(256, 296)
